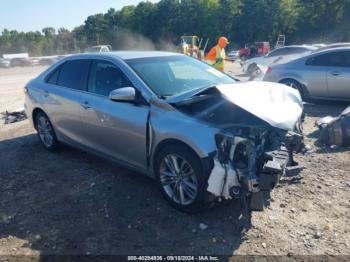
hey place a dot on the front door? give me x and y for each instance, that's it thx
(116, 129)
(338, 75)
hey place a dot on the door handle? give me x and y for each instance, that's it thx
(86, 105)
(46, 93)
(335, 73)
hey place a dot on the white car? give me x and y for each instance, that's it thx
(233, 55)
(287, 53)
(99, 49)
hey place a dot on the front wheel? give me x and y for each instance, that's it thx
(181, 179)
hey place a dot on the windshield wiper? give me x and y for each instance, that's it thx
(193, 99)
(164, 96)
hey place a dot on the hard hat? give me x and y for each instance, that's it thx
(223, 41)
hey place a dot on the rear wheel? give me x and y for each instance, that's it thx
(252, 68)
(243, 57)
(46, 132)
(181, 179)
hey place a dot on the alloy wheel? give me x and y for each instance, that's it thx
(178, 179)
(45, 131)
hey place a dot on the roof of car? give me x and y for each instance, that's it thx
(340, 44)
(334, 46)
(133, 54)
(317, 52)
(302, 46)
(330, 50)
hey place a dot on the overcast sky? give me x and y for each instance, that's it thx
(31, 15)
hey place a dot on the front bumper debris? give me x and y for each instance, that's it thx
(256, 172)
(335, 130)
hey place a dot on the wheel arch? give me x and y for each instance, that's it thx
(251, 65)
(305, 92)
(174, 141)
(35, 112)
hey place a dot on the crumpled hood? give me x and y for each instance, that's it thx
(279, 105)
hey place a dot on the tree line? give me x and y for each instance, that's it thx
(159, 25)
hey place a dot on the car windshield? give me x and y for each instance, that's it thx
(171, 75)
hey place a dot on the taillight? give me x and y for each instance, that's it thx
(25, 90)
(269, 70)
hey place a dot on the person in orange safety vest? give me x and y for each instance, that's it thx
(216, 55)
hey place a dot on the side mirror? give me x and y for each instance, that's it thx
(124, 94)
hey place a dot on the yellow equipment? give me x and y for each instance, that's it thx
(190, 45)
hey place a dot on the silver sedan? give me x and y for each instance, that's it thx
(197, 131)
(320, 75)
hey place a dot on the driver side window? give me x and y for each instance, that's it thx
(105, 77)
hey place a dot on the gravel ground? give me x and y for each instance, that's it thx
(12, 82)
(71, 202)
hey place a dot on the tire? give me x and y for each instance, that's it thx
(192, 184)
(252, 68)
(243, 58)
(45, 131)
(295, 84)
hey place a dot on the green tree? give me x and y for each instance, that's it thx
(49, 31)
(242, 21)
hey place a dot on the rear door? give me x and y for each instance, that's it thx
(314, 74)
(62, 92)
(116, 129)
(338, 75)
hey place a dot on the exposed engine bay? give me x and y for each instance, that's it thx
(251, 164)
(252, 152)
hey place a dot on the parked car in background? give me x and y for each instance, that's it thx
(287, 52)
(4, 63)
(99, 49)
(172, 117)
(320, 75)
(34, 61)
(20, 61)
(48, 60)
(233, 55)
(259, 49)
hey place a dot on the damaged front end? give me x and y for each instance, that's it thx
(250, 162)
(257, 130)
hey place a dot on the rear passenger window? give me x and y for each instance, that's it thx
(105, 77)
(73, 74)
(321, 60)
(337, 59)
(52, 79)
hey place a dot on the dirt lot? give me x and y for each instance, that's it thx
(71, 202)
